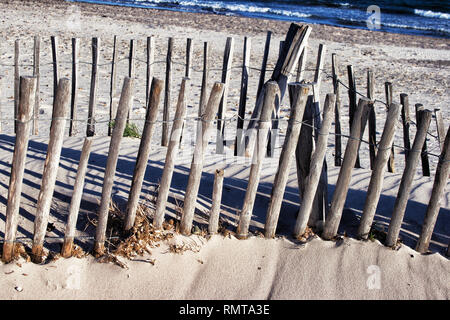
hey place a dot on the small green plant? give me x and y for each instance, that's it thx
(131, 130)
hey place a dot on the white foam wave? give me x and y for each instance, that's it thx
(431, 14)
(215, 5)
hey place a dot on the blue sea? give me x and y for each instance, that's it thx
(429, 18)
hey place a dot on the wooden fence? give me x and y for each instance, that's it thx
(306, 141)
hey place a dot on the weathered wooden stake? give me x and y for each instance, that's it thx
(372, 119)
(55, 55)
(352, 104)
(440, 182)
(407, 178)
(112, 88)
(424, 154)
(204, 89)
(74, 97)
(169, 163)
(150, 61)
(440, 127)
(131, 60)
(337, 112)
(378, 171)
(343, 182)
(239, 143)
(60, 113)
(131, 68)
(143, 153)
(126, 99)
(189, 49)
(16, 81)
(75, 202)
(270, 93)
(195, 174)
(406, 121)
(37, 75)
(90, 130)
(188, 57)
(166, 111)
(317, 161)
(226, 74)
(216, 199)
(305, 145)
(262, 75)
(320, 208)
(302, 64)
(25, 113)
(389, 95)
(300, 96)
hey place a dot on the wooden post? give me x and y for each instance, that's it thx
(305, 145)
(271, 91)
(404, 101)
(352, 104)
(25, 113)
(150, 61)
(90, 130)
(203, 93)
(300, 96)
(280, 48)
(37, 75)
(112, 87)
(143, 153)
(74, 98)
(216, 199)
(226, 73)
(407, 178)
(55, 55)
(389, 93)
(302, 64)
(131, 69)
(424, 154)
(190, 198)
(378, 172)
(131, 58)
(188, 57)
(60, 113)
(239, 144)
(337, 112)
(262, 75)
(187, 72)
(169, 163)
(16, 81)
(75, 202)
(343, 182)
(126, 99)
(321, 206)
(372, 119)
(440, 127)
(317, 161)
(166, 111)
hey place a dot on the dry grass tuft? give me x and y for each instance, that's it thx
(20, 252)
(140, 239)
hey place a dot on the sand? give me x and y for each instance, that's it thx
(221, 267)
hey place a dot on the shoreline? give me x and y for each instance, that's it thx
(239, 25)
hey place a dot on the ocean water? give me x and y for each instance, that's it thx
(429, 18)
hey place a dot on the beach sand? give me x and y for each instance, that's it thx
(221, 267)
